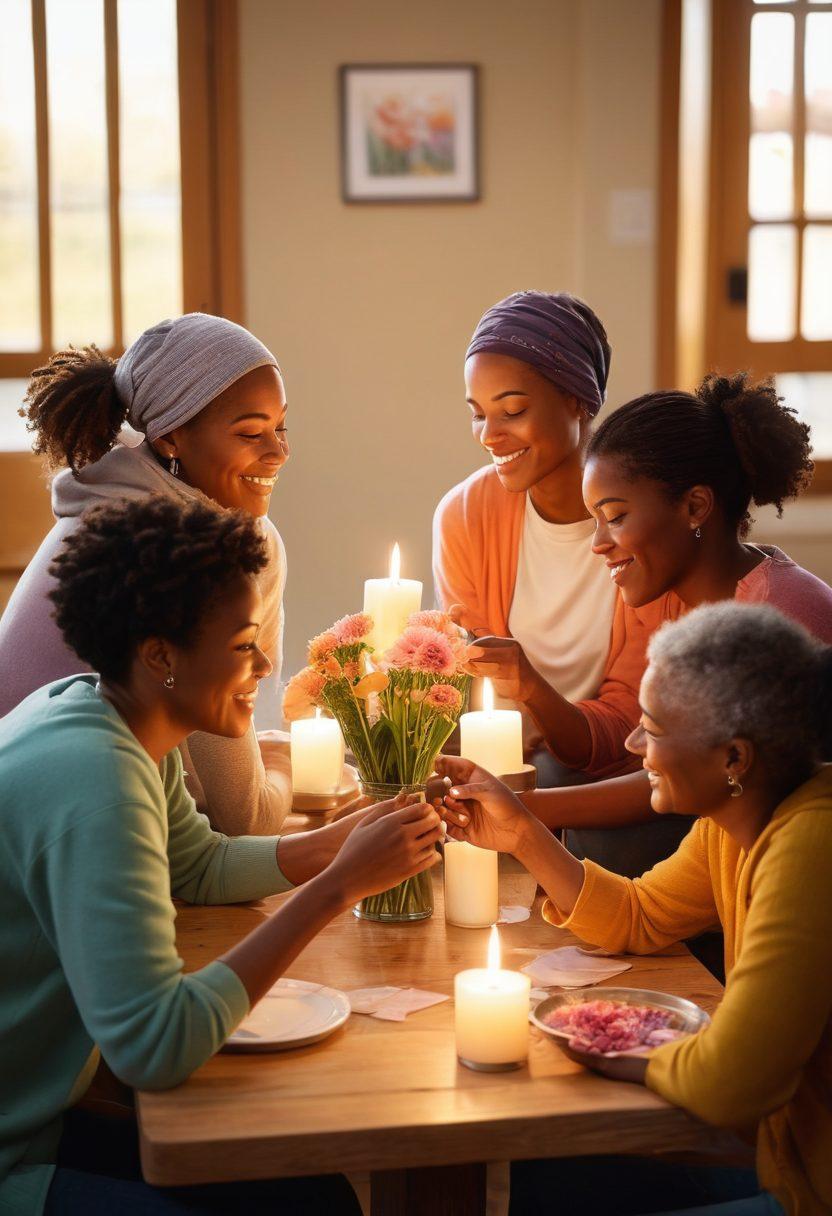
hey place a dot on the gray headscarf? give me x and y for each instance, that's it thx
(172, 371)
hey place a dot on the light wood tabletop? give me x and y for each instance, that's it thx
(390, 1097)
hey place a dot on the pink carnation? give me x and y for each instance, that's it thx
(432, 618)
(352, 629)
(422, 649)
(444, 698)
(302, 693)
(322, 646)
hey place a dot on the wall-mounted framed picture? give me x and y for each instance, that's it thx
(409, 132)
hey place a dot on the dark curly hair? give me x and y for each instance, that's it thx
(72, 407)
(731, 434)
(147, 568)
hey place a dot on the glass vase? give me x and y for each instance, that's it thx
(411, 899)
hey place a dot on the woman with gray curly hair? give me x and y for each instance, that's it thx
(735, 716)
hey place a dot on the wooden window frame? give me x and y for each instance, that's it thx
(208, 49)
(726, 239)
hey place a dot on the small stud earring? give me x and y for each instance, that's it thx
(736, 788)
(698, 534)
(169, 680)
(174, 466)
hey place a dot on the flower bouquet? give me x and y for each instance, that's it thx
(395, 711)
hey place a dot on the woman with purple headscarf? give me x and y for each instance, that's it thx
(512, 548)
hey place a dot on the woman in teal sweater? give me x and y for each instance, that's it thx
(97, 830)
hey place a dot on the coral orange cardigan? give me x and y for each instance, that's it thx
(476, 540)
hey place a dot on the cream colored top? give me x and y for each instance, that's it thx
(562, 609)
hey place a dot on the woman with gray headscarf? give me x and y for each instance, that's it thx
(208, 399)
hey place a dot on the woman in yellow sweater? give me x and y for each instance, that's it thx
(735, 718)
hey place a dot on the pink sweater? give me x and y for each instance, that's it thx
(476, 541)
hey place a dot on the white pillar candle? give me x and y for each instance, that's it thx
(491, 1014)
(390, 601)
(471, 888)
(492, 738)
(317, 749)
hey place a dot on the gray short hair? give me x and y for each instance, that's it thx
(746, 671)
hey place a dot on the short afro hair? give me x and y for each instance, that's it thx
(148, 568)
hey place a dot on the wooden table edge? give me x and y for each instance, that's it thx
(224, 1159)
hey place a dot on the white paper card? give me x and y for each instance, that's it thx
(570, 967)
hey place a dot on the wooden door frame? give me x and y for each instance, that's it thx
(727, 76)
(209, 132)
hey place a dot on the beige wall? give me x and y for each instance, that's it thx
(369, 308)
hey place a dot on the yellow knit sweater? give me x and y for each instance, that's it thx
(766, 1058)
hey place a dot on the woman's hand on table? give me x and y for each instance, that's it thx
(392, 842)
(479, 808)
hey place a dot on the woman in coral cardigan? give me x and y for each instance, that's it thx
(512, 548)
(736, 707)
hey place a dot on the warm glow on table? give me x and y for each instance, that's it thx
(471, 887)
(492, 738)
(317, 748)
(390, 601)
(491, 1014)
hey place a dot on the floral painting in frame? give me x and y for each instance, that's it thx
(409, 132)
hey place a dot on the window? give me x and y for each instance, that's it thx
(109, 221)
(766, 212)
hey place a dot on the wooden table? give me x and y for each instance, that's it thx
(390, 1097)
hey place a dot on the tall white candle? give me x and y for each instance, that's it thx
(390, 601)
(491, 1014)
(471, 885)
(317, 749)
(492, 738)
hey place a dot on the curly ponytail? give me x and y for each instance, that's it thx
(732, 435)
(72, 407)
(772, 445)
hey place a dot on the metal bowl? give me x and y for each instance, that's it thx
(687, 1017)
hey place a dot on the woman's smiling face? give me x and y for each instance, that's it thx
(645, 538)
(216, 677)
(528, 426)
(234, 448)
(686, 776)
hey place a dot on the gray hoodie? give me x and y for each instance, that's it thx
(226, 776)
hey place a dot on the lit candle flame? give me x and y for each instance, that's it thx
(317, 712)
(494, 950)
(395, 563)
(488, 696)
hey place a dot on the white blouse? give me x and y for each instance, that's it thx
(562, 609)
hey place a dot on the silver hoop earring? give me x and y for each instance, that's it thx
(169, 680)
(174, 466)
(698, 534)
(736, 788)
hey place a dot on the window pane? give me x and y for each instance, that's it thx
(151, 245)
(810, 394)
(771, 282)
(816, 295)
(81, 295)
(818, 187)
(770, 175)
(19, 296)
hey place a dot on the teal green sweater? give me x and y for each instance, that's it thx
(94, 838)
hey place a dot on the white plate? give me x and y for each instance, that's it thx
(293, 1013)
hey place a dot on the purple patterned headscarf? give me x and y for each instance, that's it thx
(558, 335)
